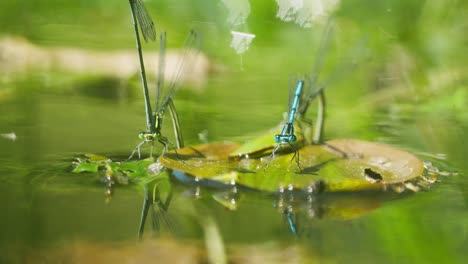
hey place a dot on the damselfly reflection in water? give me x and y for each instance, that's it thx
(158, 197)
(163, 101)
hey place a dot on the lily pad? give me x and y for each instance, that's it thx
(202, 161)
(86, 167)
(264, 144)
(368, 165)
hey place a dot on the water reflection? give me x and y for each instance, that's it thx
(299, 209)
(157, 198)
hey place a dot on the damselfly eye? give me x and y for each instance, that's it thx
(141, 135)
(277, 138)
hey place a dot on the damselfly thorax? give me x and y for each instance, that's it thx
(155, 131)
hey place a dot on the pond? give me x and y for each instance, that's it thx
(69, 86)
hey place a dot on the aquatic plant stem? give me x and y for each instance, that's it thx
(175, 123)
(318, 132)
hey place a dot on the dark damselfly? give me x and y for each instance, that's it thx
(164, 94)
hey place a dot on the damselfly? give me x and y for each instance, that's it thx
(163, 101)
(299, 103)
(299, 100)
(287, 136)
(313, 89)
(307, 90)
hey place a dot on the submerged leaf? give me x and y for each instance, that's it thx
(136, 169)
(86, 167)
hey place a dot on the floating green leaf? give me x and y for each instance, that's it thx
(135, 169)
(120, 172)
(204, 161)
(86, 167)
(368, 165)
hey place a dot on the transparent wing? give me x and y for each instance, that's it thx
(304, 101)
(309, 93)
(144, 20)
(352, 60)
(322, 50)
(189, 55)
(161, 69)
(162, 217)
(291, 84)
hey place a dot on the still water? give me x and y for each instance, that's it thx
(408, 90)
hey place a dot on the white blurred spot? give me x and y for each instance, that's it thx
(155, 168)
(11, 136)
(239, 11)
(288, 9)
(305, 12)
(203, 136)
(241, 41)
